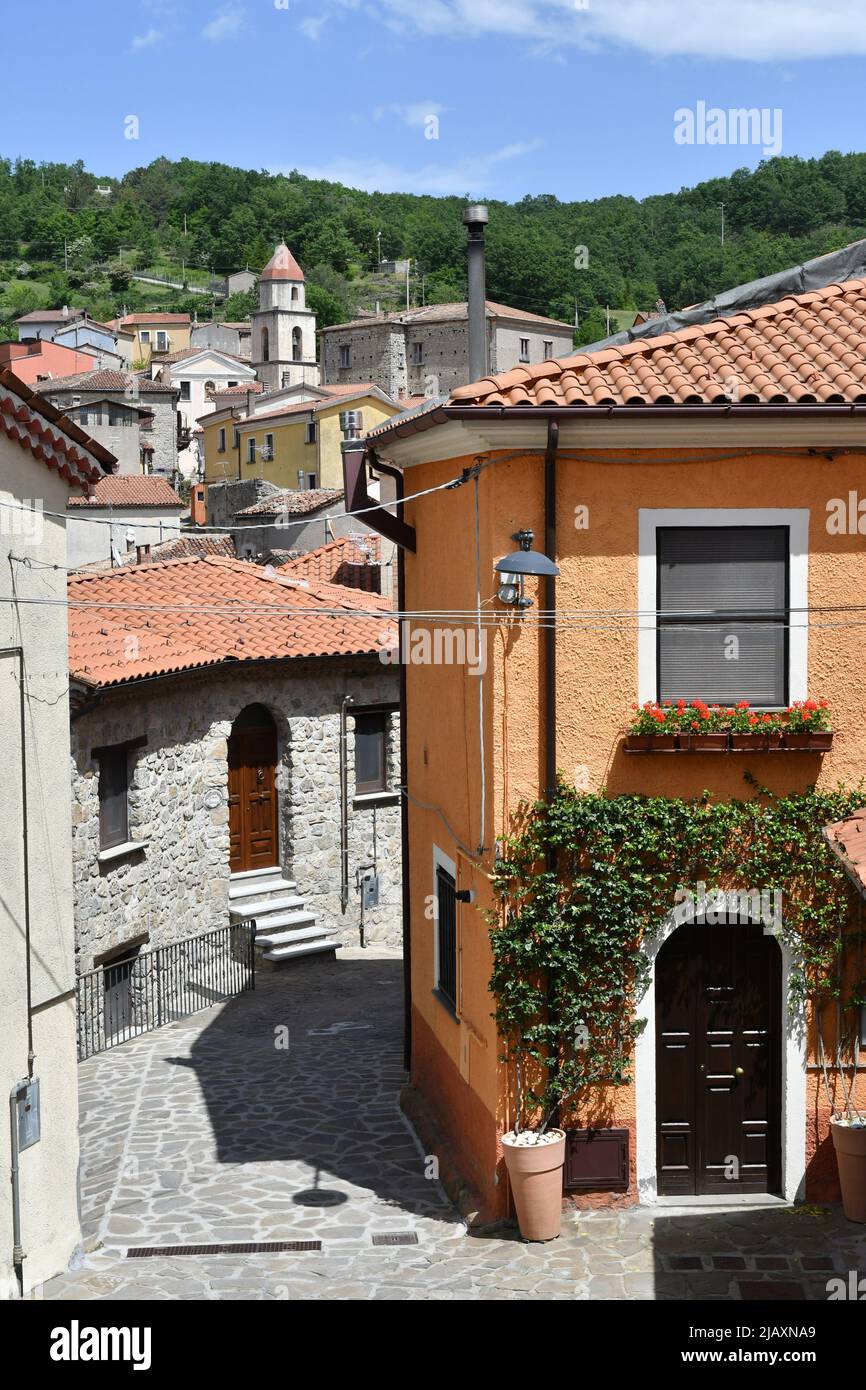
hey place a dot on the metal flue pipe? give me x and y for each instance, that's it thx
(475, 220)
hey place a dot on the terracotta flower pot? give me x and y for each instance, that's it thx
(535, 1174)
(749, 742)
(665, 742)
(640, 743)
(796, 740)
(822, 739)
(708, 743)
(849, 1141)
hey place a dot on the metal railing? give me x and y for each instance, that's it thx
(145, 991)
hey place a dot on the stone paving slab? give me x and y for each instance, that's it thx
(208, 1131)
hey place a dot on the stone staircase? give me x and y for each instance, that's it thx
(284, 928)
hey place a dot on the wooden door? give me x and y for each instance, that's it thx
(718, 1061)
(252, 760)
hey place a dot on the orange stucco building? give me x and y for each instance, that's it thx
(747, 431)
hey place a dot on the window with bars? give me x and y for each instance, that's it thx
(446, 929)
(723, 613)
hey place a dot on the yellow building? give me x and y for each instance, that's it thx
(156, 335)
(296, 445)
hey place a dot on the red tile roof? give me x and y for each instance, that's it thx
(151, 620)
(847, 839)
(294, 503)
(130, 490)
(106, 379)
(350, 560)
(180, 548)
(49, 435)
(132, 320)
(806, 349)
(282, 266)
(440, 313)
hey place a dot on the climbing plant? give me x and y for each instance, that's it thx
(586, 879)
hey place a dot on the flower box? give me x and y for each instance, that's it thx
(706, 743)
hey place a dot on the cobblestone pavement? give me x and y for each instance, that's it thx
(213, 1131)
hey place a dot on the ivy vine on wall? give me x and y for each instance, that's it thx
(587, 878)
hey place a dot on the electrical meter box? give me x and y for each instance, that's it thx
(27, 1101)
(370, 890)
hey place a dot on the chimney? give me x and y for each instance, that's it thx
(66, 311)
(475, 220)
(142, 553)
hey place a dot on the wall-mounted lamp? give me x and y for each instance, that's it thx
(513, 569)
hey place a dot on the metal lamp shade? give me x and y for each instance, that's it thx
(525, 562)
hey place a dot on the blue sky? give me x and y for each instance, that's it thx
(572, 97)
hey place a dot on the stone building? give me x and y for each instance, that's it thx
(155, 401)
(425, 351)
(283, 328)
(241, 762)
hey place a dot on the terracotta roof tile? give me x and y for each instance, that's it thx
(282, 266)
(182, 547)
(442, 313)
(805, 349)
(106, 379)
(294, 503)
(847, 839)
(132, 320)
(49, 435)
(350, 560)
(130, 490)
(176, 615)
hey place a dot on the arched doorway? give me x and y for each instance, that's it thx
(252, 761)
(718, 1025)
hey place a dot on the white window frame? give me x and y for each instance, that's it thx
(448, 864)
(649, 522)
(251, 448)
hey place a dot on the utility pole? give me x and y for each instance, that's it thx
(722, 206)
(378, 250)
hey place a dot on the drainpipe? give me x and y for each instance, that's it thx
(17, 1248)
(475, 220)
(550, 605)
(397, 475)
(344, 807)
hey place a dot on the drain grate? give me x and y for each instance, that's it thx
(242, 1247)
(396, 1238)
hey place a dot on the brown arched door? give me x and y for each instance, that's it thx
(253, 791)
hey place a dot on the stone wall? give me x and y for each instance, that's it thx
(177, 885)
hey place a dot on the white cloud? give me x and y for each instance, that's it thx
(148, 40)
(474, 174)
(415, 114)
(312, 28)
(228, 21)
(748, 30)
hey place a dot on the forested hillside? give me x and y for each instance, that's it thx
(64, 241)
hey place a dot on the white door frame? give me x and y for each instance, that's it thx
(793, 1099)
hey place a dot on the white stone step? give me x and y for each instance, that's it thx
(285, 938)
(266, 925)
(303, 948)
(265, 905)
(248, 875)
(248, 890)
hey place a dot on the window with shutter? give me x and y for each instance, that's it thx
(370, 771)
(446, 928)
(113, 797)
(723, 613)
